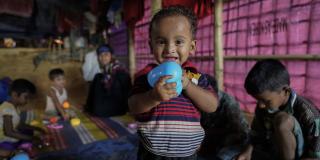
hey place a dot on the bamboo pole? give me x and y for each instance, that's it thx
(306, 57)
(155, 6)
(218, 42)
(291, 57)
(132, 58)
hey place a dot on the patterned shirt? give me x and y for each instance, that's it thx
(306, 114)
(171, 129)
(8, 109)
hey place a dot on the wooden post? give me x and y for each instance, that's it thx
(155, 6)
(132, 58)
(218, 42)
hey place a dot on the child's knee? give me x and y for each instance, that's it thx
(283, 122)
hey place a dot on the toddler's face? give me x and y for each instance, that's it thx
(59, 81)
(272, 100)
(171, 39)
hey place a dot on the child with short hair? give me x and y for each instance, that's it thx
(11, 131)
(286, 125)
(57, 94)
(108, 92)
(168, 124)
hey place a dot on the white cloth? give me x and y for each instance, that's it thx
(8, 109)
(50, 108)
(90, 66)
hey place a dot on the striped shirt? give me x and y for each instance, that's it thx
(171, 129)
(306, 114)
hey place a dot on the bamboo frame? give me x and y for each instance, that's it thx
(156, 5)
(22, 50)
(218, 42)
(132, 58)
(306, 57)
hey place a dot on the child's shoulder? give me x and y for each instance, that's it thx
(303, 105)
(7, 107)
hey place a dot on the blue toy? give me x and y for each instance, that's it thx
(167, 68)
(20, 156)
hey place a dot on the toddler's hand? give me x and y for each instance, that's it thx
(246, 155)
(163, 91)
(185, 80)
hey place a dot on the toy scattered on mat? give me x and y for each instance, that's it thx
(54, 124)
(53, 120)
(66, 105)
(34, 123)
(20, 156)
(26, 146)
(133, 125)
(75, 122)
(167, 68)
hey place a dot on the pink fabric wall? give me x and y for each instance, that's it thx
(268, 27)
(141, 37)
(272, 27)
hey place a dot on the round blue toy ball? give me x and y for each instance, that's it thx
(20, 156)
(179, 87)
(167, 68)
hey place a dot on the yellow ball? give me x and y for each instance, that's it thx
(34, 123)
(75, 121)
(66, 105)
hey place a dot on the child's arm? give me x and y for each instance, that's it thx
(11, 132)
(57, 104)
(144, 102)
(29, 127)
(203, 99)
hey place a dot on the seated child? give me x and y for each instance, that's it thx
(286, 125)
(108, 92)
(168, 124)
(57, 95)
(13, 132)
(226, 130)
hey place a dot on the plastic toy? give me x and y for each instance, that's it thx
(66, 105)
(53, 120)
(26, 146)
(75, 122)
(53, 123)
(34, 123)
(55, 126)
(20, 156)
(133, 125)
(167, 68)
